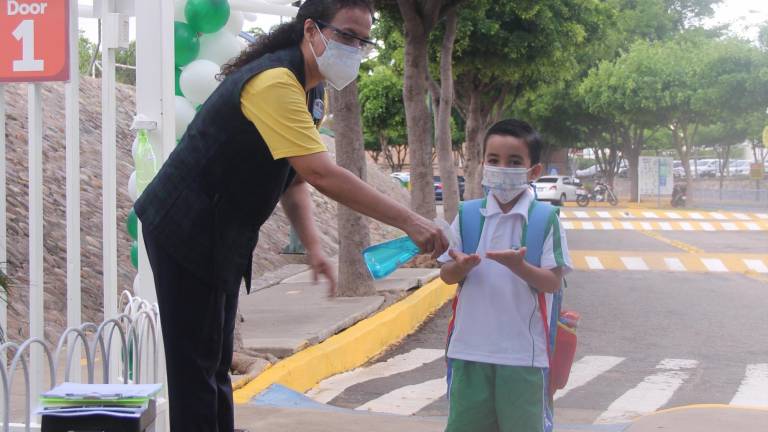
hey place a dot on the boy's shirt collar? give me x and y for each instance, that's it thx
(521, 206)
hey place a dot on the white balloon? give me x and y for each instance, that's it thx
(132, 186)
(178, 12)
(235, 22)
(185, 112)
(134, 147)
(219, 47)
(198, 80)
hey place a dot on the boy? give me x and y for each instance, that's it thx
(497, 349)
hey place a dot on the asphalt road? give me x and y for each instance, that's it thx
(649, 338)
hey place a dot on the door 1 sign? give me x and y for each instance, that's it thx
(34, 40)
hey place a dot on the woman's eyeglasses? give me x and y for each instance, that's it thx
(349, 39)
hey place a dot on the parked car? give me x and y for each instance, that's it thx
(403, 178)
(439, 188)
(557, 189)
(708, 167)
(739, 167)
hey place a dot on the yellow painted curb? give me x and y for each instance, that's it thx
(354, 346)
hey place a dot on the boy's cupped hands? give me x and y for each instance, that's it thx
(464, 261)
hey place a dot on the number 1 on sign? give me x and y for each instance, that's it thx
(25, 33)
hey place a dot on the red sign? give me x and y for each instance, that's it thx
(34, 40)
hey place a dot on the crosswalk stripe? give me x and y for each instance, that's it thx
(604, 214)
(686, 226)
(650, 215)
(673, 215)
(628, 225)
(586, 369)
(696, 215)
(407, 400)
(741, 216)
(646, 226)
(649, 395)
(756, 265)
(587, 225)
(729, 226)
(665, 226)
(581, 214)
(607, 225)
(567, 225)
(714, 265)
(718, 216)
(706, 226)
(753, 390)
(634, 263)
(752, 226)
(762, 215)
(674, 264)
(594, 263)
(334, 386)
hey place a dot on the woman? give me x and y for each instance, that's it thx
(253, 143)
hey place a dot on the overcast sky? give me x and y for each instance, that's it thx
(743, 15)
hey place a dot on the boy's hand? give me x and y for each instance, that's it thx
(465, 262)
(513, 259)
(322, 266)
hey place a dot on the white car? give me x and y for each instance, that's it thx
(739, 168)
(557, 189)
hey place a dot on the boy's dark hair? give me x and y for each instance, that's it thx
(292, 32)
(518, 129)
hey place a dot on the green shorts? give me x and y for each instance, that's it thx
(486, 397)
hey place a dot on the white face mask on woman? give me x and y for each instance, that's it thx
(505, 183)
(339, 63)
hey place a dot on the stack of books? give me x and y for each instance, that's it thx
(111, 400)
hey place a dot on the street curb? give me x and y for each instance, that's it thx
(352, 347)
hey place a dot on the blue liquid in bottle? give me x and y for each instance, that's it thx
(384, 258)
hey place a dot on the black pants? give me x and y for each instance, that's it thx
(198, 322)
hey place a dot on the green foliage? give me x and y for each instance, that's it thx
(122, 57)
(381, 103)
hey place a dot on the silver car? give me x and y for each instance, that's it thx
(557, 189)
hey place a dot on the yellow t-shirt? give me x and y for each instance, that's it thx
(276, 103)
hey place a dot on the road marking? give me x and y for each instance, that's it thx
(651, 215)
(673, 215)
(762, 215)
(646, 226)
(407, 400)
(628, 225)
(563, 214)
(607, 225)
(706, 226)
(714, 265)
(586, 369)
(335, 385)
(587, 225)
(753, 390)
(665, 226)
(741, 216)
(567, 225)
(634, 263)
(729, 226)
(651, 394)
(604, 214)
(594, 263)
(686, 226)
(756, 265)
(718, 216)
(674, 264)
(695, 215)
(752, 226)
(581, 214)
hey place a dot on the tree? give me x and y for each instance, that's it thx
(353, 276)
(419, 18)
(507, 48)
(383, 114)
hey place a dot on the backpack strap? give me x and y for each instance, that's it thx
(541, 217)
(471, 223)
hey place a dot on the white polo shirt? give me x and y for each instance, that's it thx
(497, 316)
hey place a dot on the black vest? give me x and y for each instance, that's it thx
(220, 183)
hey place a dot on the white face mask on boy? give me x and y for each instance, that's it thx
(505, 183)
(339, 63)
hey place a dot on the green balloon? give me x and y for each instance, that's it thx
(186, 43)
(135, 254)
(207, 16)
(178, 86)
(132, 223)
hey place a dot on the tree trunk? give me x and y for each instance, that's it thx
(474, 149)
(417, 117)
(353, 275)
(444, 144)
(633, 146)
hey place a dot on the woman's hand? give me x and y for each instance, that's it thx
(427, 236)
(322, 266)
